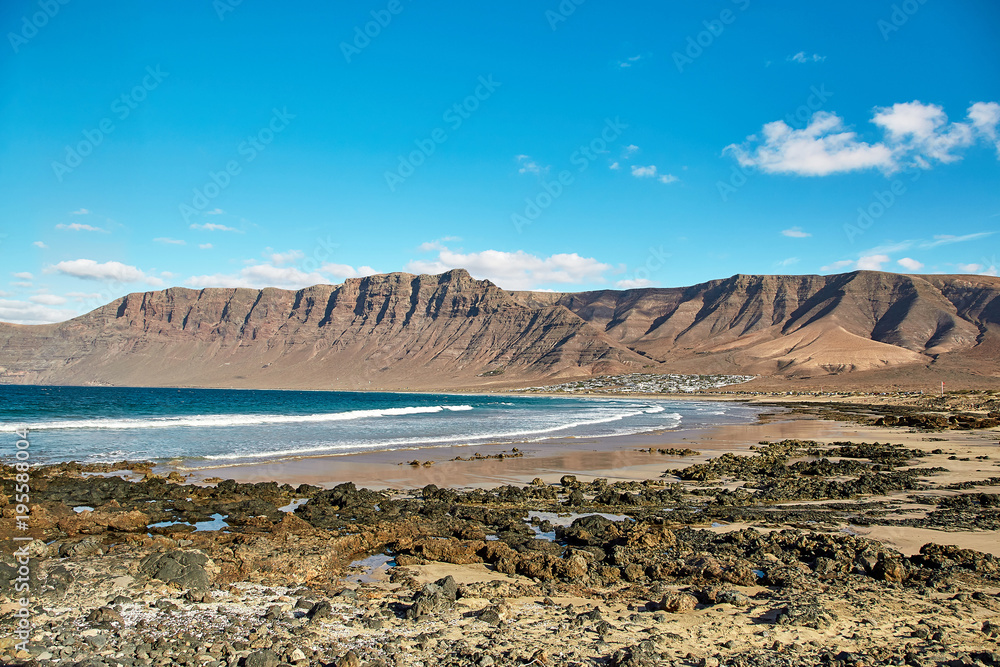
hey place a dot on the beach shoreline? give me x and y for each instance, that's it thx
(810, 535)
(386, 468)
(617, 457)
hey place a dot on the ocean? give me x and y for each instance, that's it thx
(200, 428)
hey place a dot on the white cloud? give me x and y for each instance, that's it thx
(801, 57)
(40, 244)
(971, 268)
(915, 134)
(84, 296)
(529, 166)
(947, 239)
(910, 119)
(644, 172)
(634, 283)
(614, 165)
(343, 271)
(81, 211)
(205, 246)
(79, 227)
(788, 261)
(923, 131)
(838, 265)
(888, 248)
(169, 241)
(258, 276)
(89, 269)
(212, 227)
(23, 275)
(822, 147)
(985, 117)
(628, 62)
(651, 172)
(437, 244)
(910, 264)
(873, 259)
(937, 240)
(517, 270)
(24, 312)
(795, 233)
(48, 299)
(630, 150)
(214, 211)
(872, 262)
(280, 258)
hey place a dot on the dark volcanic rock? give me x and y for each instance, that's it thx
(940, 556)
(490, 615)
(643, 654)
(185, 569)
(806, 615)
(434, 597)
(678, 603)
(265, 658)
(587, 530)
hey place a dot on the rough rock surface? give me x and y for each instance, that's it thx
(459, 577)
(406, 331)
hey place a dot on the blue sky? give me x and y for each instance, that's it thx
(543, 145)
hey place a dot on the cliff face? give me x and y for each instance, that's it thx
(436, 332)
(388, 331)
(801, 325)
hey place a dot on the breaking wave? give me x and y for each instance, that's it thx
(208, 421)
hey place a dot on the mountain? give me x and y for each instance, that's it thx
(401, 331)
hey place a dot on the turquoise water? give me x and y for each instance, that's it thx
(209, 427)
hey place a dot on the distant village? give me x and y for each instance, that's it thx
(642, 383)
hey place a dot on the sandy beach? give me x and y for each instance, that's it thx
(810, 536)
(612, 458)
(622, 459)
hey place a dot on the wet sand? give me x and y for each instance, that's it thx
(613, 458)
(619, 459)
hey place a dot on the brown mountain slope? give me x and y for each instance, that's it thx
(437, 332)
(801, 326)
(388, 331)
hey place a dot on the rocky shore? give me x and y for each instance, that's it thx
(754, 559)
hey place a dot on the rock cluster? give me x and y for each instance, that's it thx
(576, 573)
